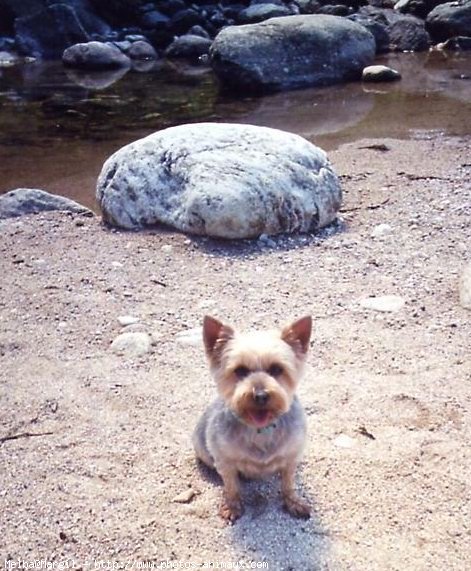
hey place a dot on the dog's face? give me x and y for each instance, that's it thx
(257, 372)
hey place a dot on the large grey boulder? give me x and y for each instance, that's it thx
(31, 201)
(221, 180)
(449, 20)
(291, 52)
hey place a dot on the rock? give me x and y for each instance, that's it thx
(188, 46)
(141, 50)
(380, 73)
(8, 59)
(223, 180)
(335, 10)
(419, 8)
(291, 52)
(449, 20)
(260, 12)
(408, 34)
(95, 56)
(193, 337)
(125, 320)
(48, 32)
(183, 20)
(384, 303)
(381, 230)
(465, 288)
(378, 29)
(31, 201)
(344, 441)
(308, 6)
(132, 344)
(457, 43)
(184, 497)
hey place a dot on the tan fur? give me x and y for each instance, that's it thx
(257, 428)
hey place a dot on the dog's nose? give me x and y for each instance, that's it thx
(260, 397)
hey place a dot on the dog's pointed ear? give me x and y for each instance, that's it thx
(298, 335)
(215, 336)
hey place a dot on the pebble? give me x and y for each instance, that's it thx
(192, 337)
(384, 303)
(184, 497)
(125, 320)
(344, 441)
(381, 230)
(380, 73)
(131, 344)
(465, 287)
(167, 248)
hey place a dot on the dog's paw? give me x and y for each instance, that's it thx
(297, 507)
(231, 510)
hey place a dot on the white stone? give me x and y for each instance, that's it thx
(381, 230)
(221, 180)
(184, 497)
(125, 320)
(465, 288)
(192, 337)
(167, 248)
(131, 344)
(344, 441)
(384, 303)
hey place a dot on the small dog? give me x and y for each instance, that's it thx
(257, 426)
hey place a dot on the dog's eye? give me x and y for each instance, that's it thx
(275, 370)
(241, 372)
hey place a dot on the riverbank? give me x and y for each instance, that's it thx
(96, 446)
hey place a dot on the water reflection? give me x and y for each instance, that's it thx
(59, 126)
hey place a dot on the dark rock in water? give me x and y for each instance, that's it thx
(171, 7)
(30, 201)
(47, 33)
(458, 43)
(182, 21)
(408, 33)
(223, 180)
(380, 73)
(449, 20)
(198, 31)
(260, 12)
(379, 31)
(308, 6)
(419, 8)
(141, 50)
(334, 10)
(291, 52)
(188, 46)
(95, 55)
(154, 19)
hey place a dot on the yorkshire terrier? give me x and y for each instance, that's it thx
(257, 426)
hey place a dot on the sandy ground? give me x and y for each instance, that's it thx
(95, 447)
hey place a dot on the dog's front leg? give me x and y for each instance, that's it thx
(295, 505)
(231, 507)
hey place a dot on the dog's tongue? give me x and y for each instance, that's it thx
(260, 418)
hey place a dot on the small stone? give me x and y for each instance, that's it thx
(190, 336)
(184, 497)
(383, 303)
(465, 288)
(381, 230)
(132, 344)
(167, 248)
(380, 73)
(125, 320)
(344, 441)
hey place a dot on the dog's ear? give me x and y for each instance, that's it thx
(298, 334)
(215, 336)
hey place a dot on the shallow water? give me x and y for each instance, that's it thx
(58, 126)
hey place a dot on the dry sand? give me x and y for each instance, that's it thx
(95, 447)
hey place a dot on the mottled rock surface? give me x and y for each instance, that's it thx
(23, 201)
(95, 56)
(221, 180)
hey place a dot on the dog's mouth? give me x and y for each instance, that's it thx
(260, 417)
